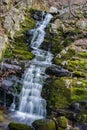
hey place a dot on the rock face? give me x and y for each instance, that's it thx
(13, 19)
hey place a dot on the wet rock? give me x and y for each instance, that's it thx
(6, 84)
(37, 15)
(75, 106)
(29, 32)
(44, 124)
(18, 126)
(57, 71)
(10, 66)
(83, 126)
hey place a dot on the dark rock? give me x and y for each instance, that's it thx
(44, 124)
(83, 126)
(75, 107)
(6, 84)
(57, 71)
(12, 67)
(29, 32)
(37, 15)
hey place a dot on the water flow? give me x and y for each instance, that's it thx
(32, 105)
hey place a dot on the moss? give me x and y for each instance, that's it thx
(18, 48)
(23, 55)
(82, 117)
(59, 128)
(62, 121)
(61, 92)
(56, 94)
(45, 124)
(82, 54)
(18, 126)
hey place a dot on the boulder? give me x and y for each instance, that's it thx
(57, 71)
(18, 126)
(56, 25)
(11, 67)
(82, 24)
(44, 124)
(75, 107)
(29, 32)
(6, 84)
(53, 10)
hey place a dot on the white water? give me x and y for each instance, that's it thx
(32, 105)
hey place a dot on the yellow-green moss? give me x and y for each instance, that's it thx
(45, 124)
(62, 121)
(61, 92)
(18, 48)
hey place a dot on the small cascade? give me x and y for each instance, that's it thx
(32, 105)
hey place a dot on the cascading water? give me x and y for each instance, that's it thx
(32, 105)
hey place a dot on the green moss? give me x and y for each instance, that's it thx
(45, 124)
(18, 126)
(18, 48)
(61, 92)
(23, 55)
(62, 121)
(56, 94)
(82, 117)
(82, 54)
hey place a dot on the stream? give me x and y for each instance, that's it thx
(32, 106)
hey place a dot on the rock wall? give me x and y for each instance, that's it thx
(12, 13)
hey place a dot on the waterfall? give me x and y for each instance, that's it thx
(32, 105)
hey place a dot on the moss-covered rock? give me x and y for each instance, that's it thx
(18, 47)
(18, 126)
(62, 122)
(61, 92)
(44, 124)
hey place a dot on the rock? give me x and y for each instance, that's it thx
(6, 1)
(76, 128)
(62, 122)
(12, 67)
(18, 126)
(57, 71)
(29, 32)
(82, 24)
(83, 126)
(37, 15)
(53, 10)
(6, 84)
(75, 106)
(44, 124)
(56, 25)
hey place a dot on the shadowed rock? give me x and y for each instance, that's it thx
(57, 71)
